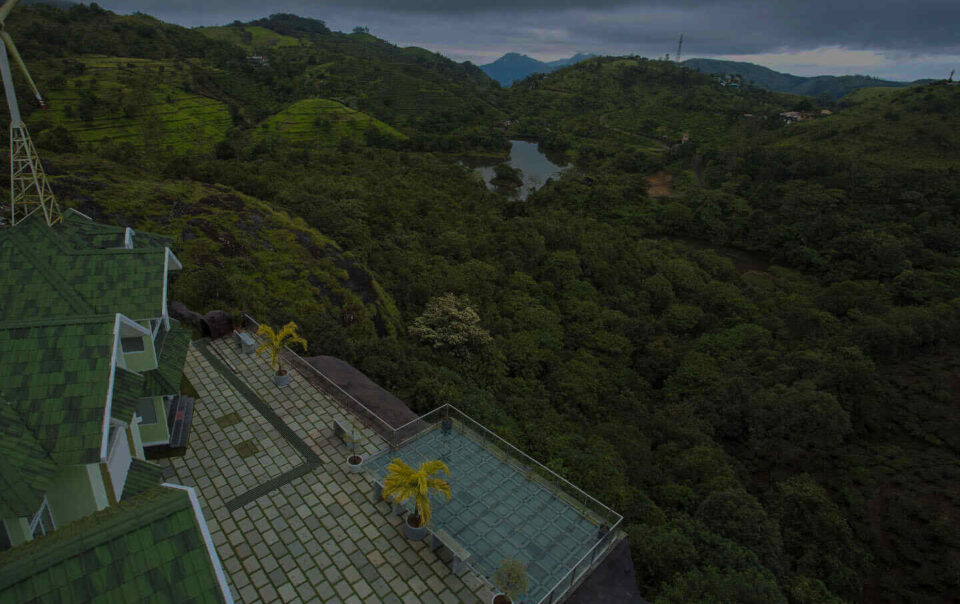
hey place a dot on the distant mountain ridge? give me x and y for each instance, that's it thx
(515, 66)
(763, 77)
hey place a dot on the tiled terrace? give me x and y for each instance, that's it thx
(289, 523)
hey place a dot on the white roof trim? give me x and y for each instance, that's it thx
(128, 322)
(176, 265)
(207, 539)
(79, 213)
(104, 438)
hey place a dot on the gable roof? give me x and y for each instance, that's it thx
(80, 268)
(62, 288)
(147, 547)
(171, 356)
(57, 377)
(127, 390)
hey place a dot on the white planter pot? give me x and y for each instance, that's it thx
(355, 468)
(282, 380)
(413, 533)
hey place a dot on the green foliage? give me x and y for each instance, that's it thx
(511, 578)
(403, 483)
(450, 323)
(905, 128)
(275, 341)
(324, 123)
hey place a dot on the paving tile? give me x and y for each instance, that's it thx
(316, 538)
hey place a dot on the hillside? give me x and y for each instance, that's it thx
(831, 87)
(252, 38)
(418, 92)
(909, 128)
(757, 366)
(633, 103)
(141, 102)
(325, 123)
(514, 66)
(237, 251)
(448, 106)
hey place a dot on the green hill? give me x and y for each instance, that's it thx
(447, 105)
(238, 252)
(143, 102)
(250, 37)
(634, 103)
(832, 87)
(868, 93)
(325, 123)
(914, 127)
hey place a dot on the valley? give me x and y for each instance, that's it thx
(738, 333)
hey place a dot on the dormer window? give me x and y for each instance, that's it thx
(132, 344)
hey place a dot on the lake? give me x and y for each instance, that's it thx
(526, 157)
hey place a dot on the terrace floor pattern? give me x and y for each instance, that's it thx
(314, 532)
(496, 512)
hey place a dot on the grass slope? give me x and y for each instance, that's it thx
(908, 128)
(412, 89)
(139, 101)
(250, 37)
(323, 122)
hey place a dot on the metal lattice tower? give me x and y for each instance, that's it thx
(29, 189)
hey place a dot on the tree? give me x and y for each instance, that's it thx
(451, 323)
(403, 483)
(275, 341)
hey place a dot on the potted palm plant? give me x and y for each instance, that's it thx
(273, 342)
(403, 483)
(511, 579)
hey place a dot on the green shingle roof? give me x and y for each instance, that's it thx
(165, 379)
(61, 288)
(57, 377)
(142, 476)
(62, 270)
(127, 390)
(25, 470)
(146, 548)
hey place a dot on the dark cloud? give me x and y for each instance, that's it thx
(467, 28)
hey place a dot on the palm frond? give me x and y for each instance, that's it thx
(402, 483)
(288, 330)
(430, 468)
(440, 485)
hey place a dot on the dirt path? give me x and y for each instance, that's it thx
(659, 184)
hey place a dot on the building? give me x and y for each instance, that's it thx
(90, 373)
(792, 116)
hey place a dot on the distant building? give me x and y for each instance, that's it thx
(792, 116)
(685, 138)
(730, 80)
(259, 60)
(826, 112)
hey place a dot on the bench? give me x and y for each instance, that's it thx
(346, 432)
(460, 555)
(245, 341)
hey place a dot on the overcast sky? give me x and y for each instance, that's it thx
(896, 39)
